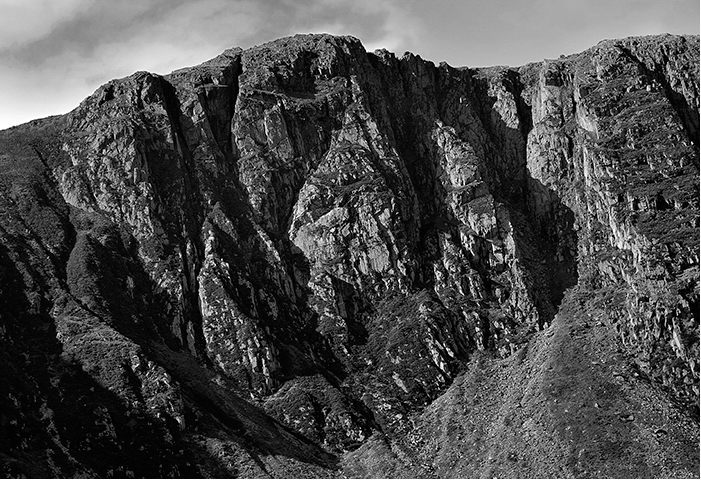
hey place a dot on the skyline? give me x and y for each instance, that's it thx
(53, 54)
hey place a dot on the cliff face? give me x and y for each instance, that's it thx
(252, 266)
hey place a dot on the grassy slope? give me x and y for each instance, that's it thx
(240, 436)
(569, 404)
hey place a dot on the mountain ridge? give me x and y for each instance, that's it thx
(338, 237)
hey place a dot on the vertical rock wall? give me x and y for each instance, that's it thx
(334, 233)
(281, 195)
(613, 139)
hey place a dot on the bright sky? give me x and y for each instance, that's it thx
(54, 53)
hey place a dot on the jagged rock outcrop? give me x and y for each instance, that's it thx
(615, 135)
(255, 265)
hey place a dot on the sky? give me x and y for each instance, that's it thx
(54, 53)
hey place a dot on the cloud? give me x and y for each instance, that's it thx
(136, 35)
(77, 49)
(86, 27)
(402, 29)
(73, 46)
(22, 21)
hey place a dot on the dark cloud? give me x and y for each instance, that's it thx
(95, 24)
(178, 21)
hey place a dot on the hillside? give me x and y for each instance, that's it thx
(307, 260)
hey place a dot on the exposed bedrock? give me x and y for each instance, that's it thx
(332, 235)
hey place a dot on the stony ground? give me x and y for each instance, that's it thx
(562, 406)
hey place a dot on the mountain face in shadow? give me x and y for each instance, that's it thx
(307, 260)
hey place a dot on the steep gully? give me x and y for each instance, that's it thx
(334, 234)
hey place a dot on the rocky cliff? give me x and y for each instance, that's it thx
(304, 259)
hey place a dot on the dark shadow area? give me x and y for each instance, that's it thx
(113, 290)
(557, 241)
(545, 239)
(56, 420)
(257, 433)
(543, 226)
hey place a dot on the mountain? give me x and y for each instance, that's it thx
(307, 260)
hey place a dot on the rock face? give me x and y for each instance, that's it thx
(255, 266)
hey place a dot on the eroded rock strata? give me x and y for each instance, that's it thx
(255, 266)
